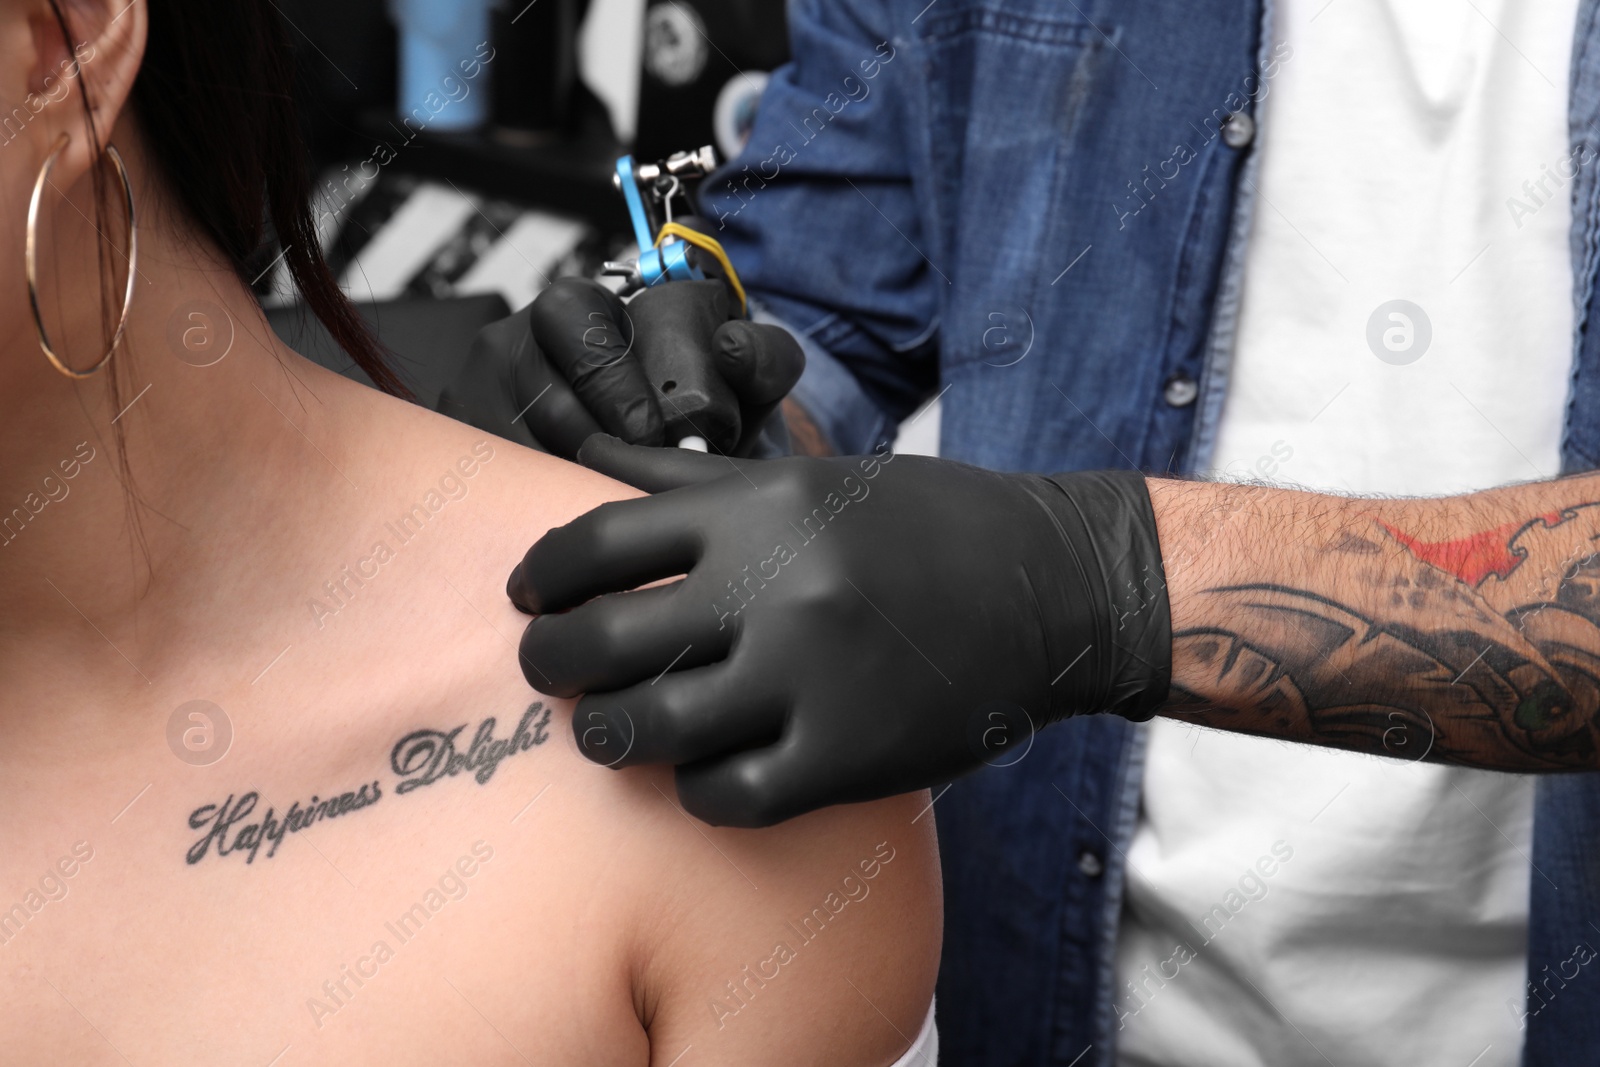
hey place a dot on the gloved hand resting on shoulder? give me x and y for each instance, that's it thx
(847, 628)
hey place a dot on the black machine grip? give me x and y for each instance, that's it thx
(672, 342)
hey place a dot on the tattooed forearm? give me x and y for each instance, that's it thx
(239, 825)
(1462, 631)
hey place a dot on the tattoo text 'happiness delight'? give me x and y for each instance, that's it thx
(418, 759)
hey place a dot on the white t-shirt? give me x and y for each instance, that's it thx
(1334, 907)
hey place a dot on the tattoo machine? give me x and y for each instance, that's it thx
(670, 336)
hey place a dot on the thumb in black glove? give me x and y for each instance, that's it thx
(846, 629)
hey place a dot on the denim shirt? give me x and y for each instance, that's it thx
(1040, 207)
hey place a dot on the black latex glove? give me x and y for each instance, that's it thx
(572, 365)
(849, 628)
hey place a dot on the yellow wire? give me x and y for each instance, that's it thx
(707, 243)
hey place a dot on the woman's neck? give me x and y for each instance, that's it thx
(143, 521)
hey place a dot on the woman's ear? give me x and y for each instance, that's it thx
(83, 49)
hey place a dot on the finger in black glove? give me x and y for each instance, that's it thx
(556, 393)
(586, 336)
(493, 384)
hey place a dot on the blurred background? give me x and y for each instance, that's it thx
(464, 149)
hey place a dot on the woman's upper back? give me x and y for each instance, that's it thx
(342, 828)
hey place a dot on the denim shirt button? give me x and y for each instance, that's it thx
(1239, 130)
(1180, 390)
(1090, 864)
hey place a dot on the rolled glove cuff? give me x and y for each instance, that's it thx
(1116, 656)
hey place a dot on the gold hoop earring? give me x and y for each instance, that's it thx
(31, 255)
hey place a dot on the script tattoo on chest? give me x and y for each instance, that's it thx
(420, 758)
(218, 821)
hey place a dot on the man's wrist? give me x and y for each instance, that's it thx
(1109, 627)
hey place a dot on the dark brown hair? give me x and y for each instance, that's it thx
(215, 99)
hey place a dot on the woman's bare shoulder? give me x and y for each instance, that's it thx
(518, 489)
(819, 937)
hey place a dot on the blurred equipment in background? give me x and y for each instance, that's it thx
(463, 152)
(704, 59)
(443, 44)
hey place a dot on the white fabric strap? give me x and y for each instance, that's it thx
(924, 1051)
